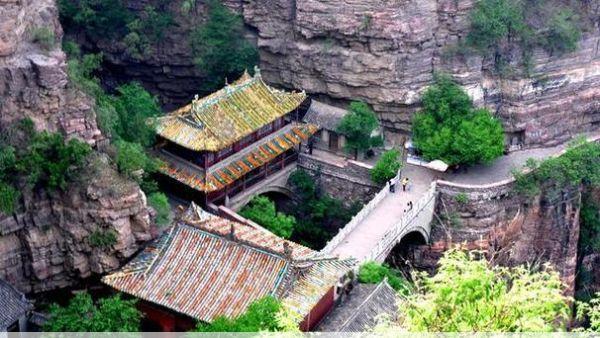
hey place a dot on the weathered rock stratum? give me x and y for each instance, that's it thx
(33, 79)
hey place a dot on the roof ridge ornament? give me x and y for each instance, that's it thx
(257, 73)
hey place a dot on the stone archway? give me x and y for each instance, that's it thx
(402, 256)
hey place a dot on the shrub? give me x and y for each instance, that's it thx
(103, 238)
(261, 315)
(386, 167)
(461, 198)
(563, 32)
(358, 126)
(262, 211)
(374, 273)
(450, 129)
(219, 48)
(51, 162)
(468, 294)
(146, 30)
(111, 314)
(132, 158)
(159, 202)
(44, 37)
(8, 198)
(98, 18)
(590, 312)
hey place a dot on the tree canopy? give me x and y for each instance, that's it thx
(112, 314)
(261, 315)
(262, 211)
(468, 294)
(386, 167)
(374, 273)
(450, 129)
(358, 126)
(219, 48)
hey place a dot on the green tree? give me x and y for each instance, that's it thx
(111, 314)
(135, 107)
(468, 294)
(493, 21)
(563, 32)
(159, 202)
(98, 18)
(448, 128)
(358, 126)
(261, 315)
(374, 273)
(219, 48)
(262, 211)
(386, 167)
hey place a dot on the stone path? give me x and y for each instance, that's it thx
(368, 233)
(364, 238)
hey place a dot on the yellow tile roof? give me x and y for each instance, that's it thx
(228, 115)
(259, 156)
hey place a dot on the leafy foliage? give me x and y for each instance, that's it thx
(358, 126)
(467, 294)
(318, 215)
(44, 37)
(219, 48)
(51, 162)
(580, 164)
(374, 273)
(103, 238)
(159, 202)
(386, 167)
(134, 107)
(450, 129)
(261, 315)
(500, 25)
(590, 312)
(110, 19)
(262, 211)
(111, 314)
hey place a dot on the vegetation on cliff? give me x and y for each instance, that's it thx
(499, 26)
(126, 118)
(358, 127)
(468, 294)
(219, 48)
(36, 160)
(112, 314)
(450, 129)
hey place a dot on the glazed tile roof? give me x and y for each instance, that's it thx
(235, 167)
(207, 266)
(13, 305)
(325, 116)
(228, 115)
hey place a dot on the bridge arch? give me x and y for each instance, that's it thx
(279, 194)
(403, 252)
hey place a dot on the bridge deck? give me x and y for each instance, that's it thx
(370, 231)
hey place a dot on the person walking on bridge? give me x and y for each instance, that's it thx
(404, 183)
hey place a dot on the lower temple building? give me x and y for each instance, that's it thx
(206, 266)
(223, 143)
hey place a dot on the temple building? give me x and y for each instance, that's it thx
(15, 309)
(219, 145)
(207, 266)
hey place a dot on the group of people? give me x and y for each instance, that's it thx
(404, 182)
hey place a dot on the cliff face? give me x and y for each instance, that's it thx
(385, 53)
(46, 244)
(512, 231)
(33, 79)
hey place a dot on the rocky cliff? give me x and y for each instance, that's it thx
(384, 52)
(48, 243)
(511, 230)
(33, 77)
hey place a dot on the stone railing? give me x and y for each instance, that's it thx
(358, 218)
(417, 219)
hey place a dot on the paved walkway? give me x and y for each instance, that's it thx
(367, 234)
(364, 238)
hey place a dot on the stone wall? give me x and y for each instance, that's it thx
(349, 181)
